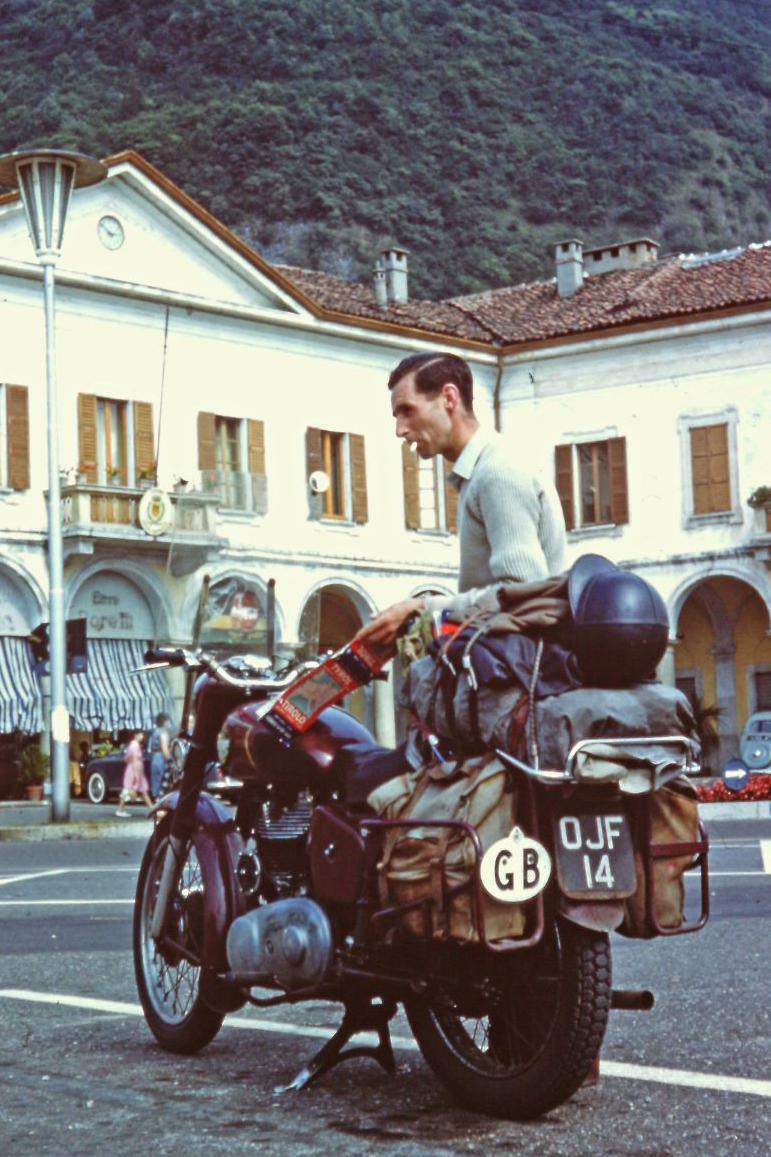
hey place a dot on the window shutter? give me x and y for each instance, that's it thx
(144, 446)
(358, 478)
(17, 426)
(450, 500)
(87, 436)
(314, 460)
(255, 441)
(410, 471)
(619, 500)
(563, 473)
(709, 469)
(206, 436)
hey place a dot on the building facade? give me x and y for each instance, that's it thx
(186, 361)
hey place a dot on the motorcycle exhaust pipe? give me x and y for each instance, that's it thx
(632, 999)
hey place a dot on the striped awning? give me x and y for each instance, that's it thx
(20, 701)
(108, 696)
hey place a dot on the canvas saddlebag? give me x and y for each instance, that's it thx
(673, 814)
(421, 863)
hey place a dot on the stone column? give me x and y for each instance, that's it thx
(665, 672)
(385, 723)
(725, 698)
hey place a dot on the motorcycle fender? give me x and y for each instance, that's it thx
(597, 915)
(217, 844)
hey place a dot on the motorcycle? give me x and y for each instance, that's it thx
(270, 897)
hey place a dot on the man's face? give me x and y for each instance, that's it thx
(421, 421)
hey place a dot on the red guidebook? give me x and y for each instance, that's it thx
(297, 708)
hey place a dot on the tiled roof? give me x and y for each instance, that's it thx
(357, 300)
(673, 287)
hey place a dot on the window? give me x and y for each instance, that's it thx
(231, 458)
(341, 457)
(14, 438)
(111, 441)
(115, 440)
(689, 683)
(591, 481)
(710, 480)
(430, 502)
(761, 685)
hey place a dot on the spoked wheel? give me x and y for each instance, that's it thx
(520, 1040)
(169, 971)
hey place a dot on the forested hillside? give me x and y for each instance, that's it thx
(475, 132)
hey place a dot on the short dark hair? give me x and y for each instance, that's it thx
(432, 371)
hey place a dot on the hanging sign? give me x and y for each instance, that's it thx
(156, 512)
(515, 869)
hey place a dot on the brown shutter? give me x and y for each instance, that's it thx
(619, 500)
(206, 436)
(314, 460)
(87, 436)
(144, 446)
(358, 478)
(450, 500)
(17, 426)
(563, 473)
(255, 440)
(410, 471)
(709, 469)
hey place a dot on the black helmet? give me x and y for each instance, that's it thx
(621, 627)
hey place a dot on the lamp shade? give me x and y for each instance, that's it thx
(45, 179)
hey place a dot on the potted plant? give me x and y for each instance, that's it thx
(146, 477)
(34, 770)
(760, 501)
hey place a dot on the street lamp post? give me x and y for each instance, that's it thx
(45, 179)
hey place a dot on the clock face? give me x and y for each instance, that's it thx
(111, 232)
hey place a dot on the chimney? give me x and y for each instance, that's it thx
(394, 261)
(570, 267)
(379, 284)
(621, 255)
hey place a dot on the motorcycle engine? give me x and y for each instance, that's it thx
(288, 943)
(281, 834)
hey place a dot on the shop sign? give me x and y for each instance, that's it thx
(113, 609)
(234, 613)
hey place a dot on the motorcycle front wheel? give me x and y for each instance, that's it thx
(519, 1040)
(169, 972)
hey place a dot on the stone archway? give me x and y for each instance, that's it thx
(331, 616)
(723, 640)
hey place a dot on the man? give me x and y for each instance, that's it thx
(510, 524)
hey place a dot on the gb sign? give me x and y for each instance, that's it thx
(515, 869)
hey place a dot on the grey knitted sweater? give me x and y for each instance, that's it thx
(510, 525)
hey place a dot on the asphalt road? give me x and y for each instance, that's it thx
(80, 1073)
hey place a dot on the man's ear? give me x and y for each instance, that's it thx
(451, 396)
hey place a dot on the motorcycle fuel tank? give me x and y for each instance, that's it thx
(318, 756)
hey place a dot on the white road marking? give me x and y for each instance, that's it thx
(32, 876)
(59, 903)
(683, 1077)
(765, 851)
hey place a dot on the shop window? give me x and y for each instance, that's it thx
(14, 438)
(341, 457)
(709, 467)
(591, 481)
(231, 458)
(430, 502)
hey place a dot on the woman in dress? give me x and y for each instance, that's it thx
(134, 778)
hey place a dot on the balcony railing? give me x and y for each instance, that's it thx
(236, 489)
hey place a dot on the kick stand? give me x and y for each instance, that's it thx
(360, 1016)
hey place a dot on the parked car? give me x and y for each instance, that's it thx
(755, 746)
(104, 776)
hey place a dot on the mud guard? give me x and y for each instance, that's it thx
(217, 844)
(596, 915)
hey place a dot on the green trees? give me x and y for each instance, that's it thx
(476, 132)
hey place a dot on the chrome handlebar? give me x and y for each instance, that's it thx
(159, 657)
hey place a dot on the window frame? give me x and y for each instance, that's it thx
(128, 476)
(729, 417)
(592, 529)
(3, 439)
(752, 691)
(336, 444)
(439, 480)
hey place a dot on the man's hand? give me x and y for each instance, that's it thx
(384, 627)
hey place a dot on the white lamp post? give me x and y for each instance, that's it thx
(45, 179)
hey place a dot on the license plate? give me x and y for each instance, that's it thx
(593, 854)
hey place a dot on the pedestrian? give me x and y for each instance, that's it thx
(134, 778)
(510, 523)
(160, 753)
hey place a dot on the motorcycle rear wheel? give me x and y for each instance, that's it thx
(168, 981)
(521, 1040)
